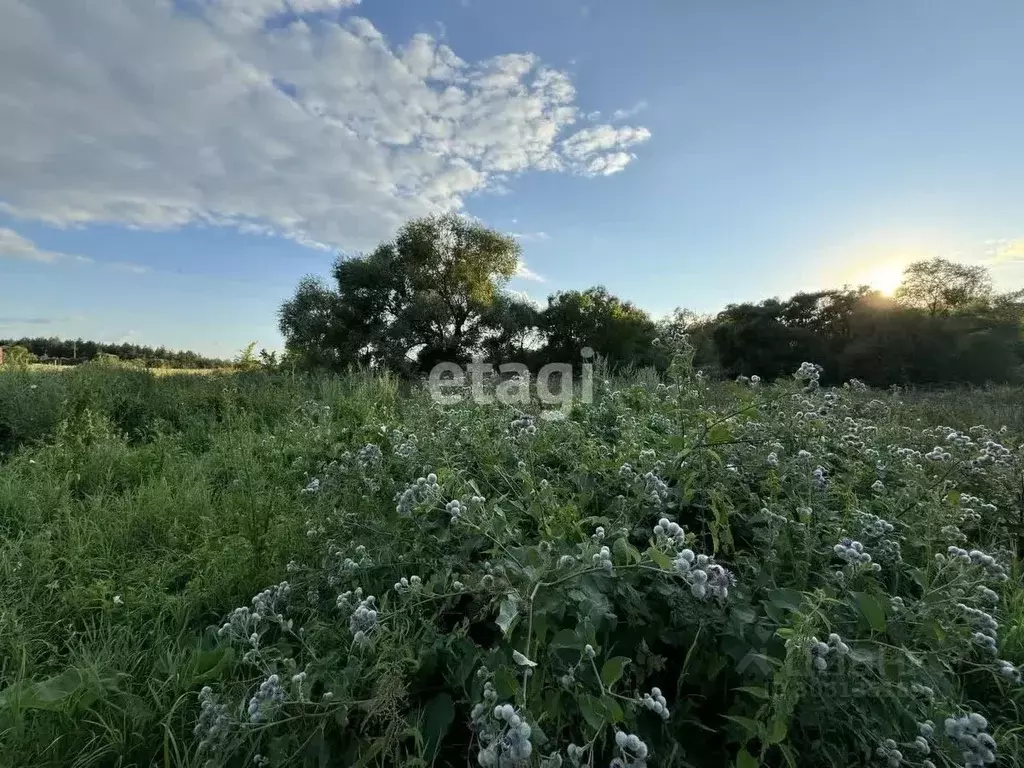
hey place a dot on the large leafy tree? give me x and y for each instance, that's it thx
(940, 286)
(617, 330)
(423, 297)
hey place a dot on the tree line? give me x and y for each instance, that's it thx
(437, 292)
(75, 351)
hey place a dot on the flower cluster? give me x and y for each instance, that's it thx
(657, 703)
(632, 751)
(938, 454)
(977, 557)
(363, 620)
(1008, 671)
(457, 508)
(411, 584)
(246, 623)
(819, 478)
(522, 426)
(263, 702)
(603, 559)
(993, 453)
(986, 626)
(969, 734)
(853, 553)
(670, 532)
(369, 457)
(888, 750)
(505, 735)
(423, 490)
(705, 577)
(810, 373)
(214, 726)
(821, 651)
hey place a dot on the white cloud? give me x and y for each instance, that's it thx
(14, 246)
(625, 114)
(530, 237)
(598, 151)
(1005, 250)
(314, 127)
(525, 297)
(523, 272)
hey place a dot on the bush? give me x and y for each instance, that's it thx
(680, 573)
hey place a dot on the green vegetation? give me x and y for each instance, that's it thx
(76, 351)
(678, 570)
(435, 293)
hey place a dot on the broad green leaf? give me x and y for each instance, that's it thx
(591, 710)
(612, 670)
(660, 558)
(872, 611)
(506, 683)
(746, 760)
(777, 731)
(437, 719)
(612, 709)
(566, 638)
(509, 613)
(752, 727)
(756, 691)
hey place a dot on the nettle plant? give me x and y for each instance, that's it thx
(786, 575)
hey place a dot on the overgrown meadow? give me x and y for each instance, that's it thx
(269, 570)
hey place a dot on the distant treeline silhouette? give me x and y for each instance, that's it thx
(75, 351)
(435, 293)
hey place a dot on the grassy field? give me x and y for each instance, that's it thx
(250, 569)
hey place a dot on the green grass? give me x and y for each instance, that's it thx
(138, 511)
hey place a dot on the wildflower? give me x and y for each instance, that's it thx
(1008, 671)
(603, 559)
(968, 734)
(633, 751)
(772, 459)
(656, 702)
(118, 601)
(670, 530)
(852, 552)
(262, 702)
(589, 651)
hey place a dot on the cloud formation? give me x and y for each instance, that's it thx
(294, 116)
(14, 246)
(1006, 250)
(523, 272)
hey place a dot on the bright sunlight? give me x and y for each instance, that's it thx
(885, 278)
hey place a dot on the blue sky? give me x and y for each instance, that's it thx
(170, 169)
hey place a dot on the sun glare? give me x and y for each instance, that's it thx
(885, 278)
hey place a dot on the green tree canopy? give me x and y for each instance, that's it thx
(940, 286)
(416, 300)
(617, 330)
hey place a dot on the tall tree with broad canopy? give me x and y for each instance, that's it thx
(941, 287)
(619, 331)
(424, 297)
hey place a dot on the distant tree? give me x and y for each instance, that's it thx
(268, 360)
(415, 300)
(940, 286)
(617, 330)
(246, 360)
(513, 329)
(18, 357)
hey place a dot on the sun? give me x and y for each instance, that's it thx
(885, 278)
